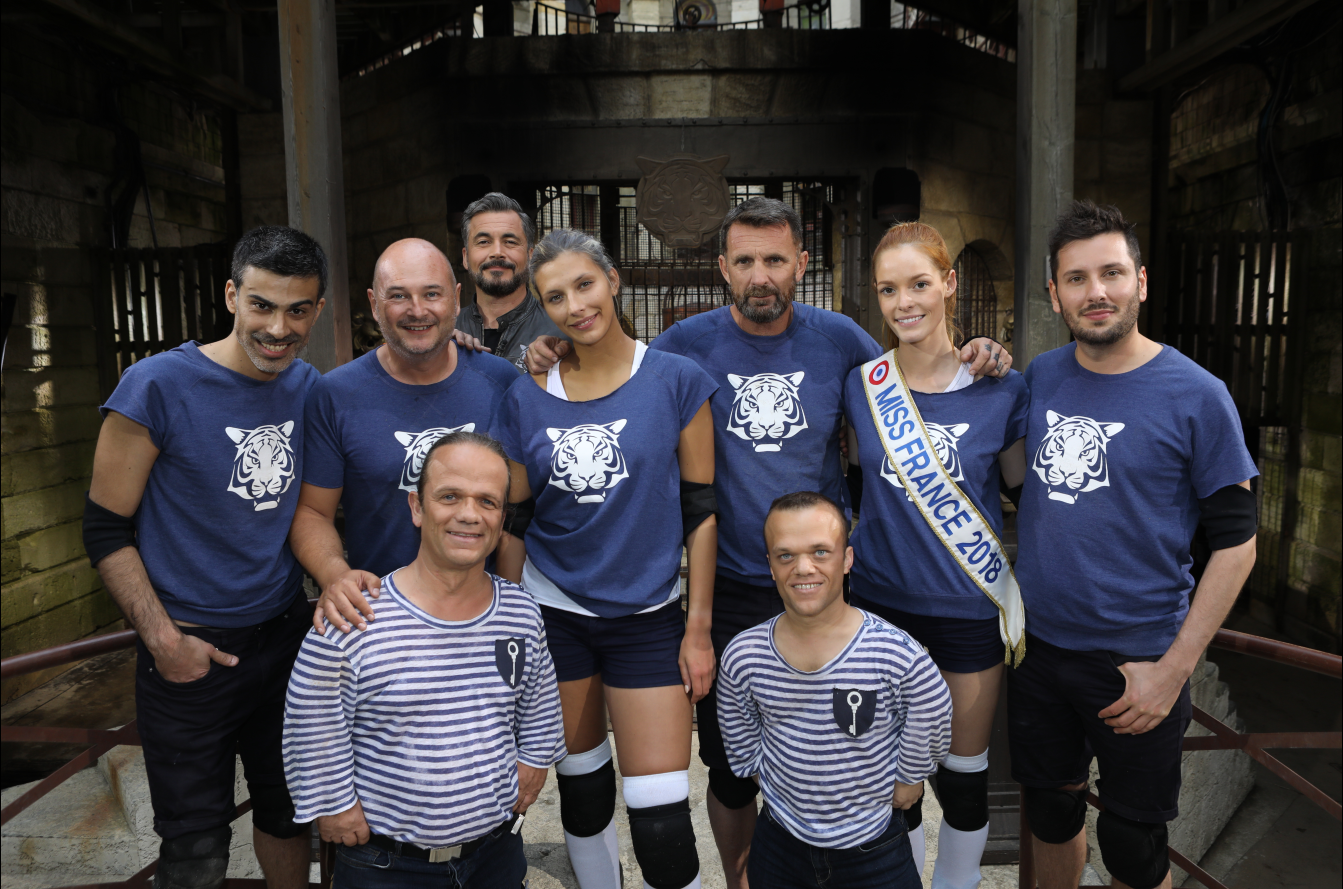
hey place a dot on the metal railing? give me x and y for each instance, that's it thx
(100, 741)
(909, 18)
(1223, 737)
(549, 21)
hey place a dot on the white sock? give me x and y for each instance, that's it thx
(958, 855)
(595, 859)
(916, 842)
(643, 791)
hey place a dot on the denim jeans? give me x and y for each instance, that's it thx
(499, 864)
(780, 860)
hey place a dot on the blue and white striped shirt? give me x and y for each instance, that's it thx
(422, 720)
(828, 746)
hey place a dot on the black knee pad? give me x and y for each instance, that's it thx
(273, 811)
(964, 797)
(664, 844)
(1056, 815)
(914, 814)
(194, 860)
(731, 791)
(588, 802)
(1133, 852)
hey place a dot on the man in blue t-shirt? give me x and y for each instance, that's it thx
(1130, 446)
(780, 366)
(186, 520)
(370, 423)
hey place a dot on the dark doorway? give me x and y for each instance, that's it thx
(976, 300)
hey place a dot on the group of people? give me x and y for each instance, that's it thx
(496, 505)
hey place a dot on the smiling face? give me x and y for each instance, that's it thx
(913, 293)
(579, 297)
(273, 316)
(808, 558)
(763, 267)
(496, 253)
(414, 298)
(462, 513)
(1098, 289)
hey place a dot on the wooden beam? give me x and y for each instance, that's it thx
(1209, 43)
(314, 168)
(108, 30)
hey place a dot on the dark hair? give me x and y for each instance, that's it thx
(761, 212)
(1085, 220)
(800, 500)
(280, 250)
(495, 202)
(455, 438)
(567, 240)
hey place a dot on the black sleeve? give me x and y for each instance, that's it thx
(105, 531)
(698, 502)
(1229, 517)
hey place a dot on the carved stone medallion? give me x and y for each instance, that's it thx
(682, 201)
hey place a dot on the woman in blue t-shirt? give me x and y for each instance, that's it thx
(902, 570)
(613, 460)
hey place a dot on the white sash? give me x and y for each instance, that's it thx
(950, 514)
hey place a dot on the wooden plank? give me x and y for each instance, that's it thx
(120, 300)
(1244, 377)
(155, 262)
(141, 265)
(1254, 263)
(1273, 389)
(170, 297)
(1225, 346)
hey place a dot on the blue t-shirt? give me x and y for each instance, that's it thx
(776, 417)
(1115, 467)
(898, 561)
(368, 434)
(607, 483)
(213, 525)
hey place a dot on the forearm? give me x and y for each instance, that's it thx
(124, 575)
(510, 556)
(702, 560)
(1217, 591)
(317, 546)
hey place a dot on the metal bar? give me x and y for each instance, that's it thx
(49, 783)
(1194, 870)
(46, 734)
(1280, 652)
(1269, 741)
(22, 664)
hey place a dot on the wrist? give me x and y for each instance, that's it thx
(698, 625)
(164, 641)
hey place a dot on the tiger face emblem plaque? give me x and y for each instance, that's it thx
(682, 201)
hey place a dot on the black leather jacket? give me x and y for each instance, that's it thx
(518, 329)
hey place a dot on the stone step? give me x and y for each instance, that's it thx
(77, 829)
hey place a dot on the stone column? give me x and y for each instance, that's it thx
(1046, 88)
(314, 171)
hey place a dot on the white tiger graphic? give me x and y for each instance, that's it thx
(417, 445)
(945, 441)
(263, 465)
(767, 409)
(587, 460)
(1072, 458)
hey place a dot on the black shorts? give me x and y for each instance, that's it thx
(635, 651)
(192, 731)
(956, 644)
(1053, 730)
(736, 607)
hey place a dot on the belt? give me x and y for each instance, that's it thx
(441, 853)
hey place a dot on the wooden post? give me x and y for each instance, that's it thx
(313, 165)
(1046, 110)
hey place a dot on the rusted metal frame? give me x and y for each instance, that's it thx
(1280, 652)
(48, 734)
(56, 778)
(68, 653)
(1177, 858)
(1269, 741)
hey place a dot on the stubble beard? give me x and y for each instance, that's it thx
(765, 314)
(1124, 322)
(261, 362)
(499, 287)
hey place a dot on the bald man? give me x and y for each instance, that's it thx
(369, 424)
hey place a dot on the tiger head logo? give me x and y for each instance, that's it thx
(417, 444)
(1072, 458)
(587, 460)
(263, 465)
(945, 440)
(766, 409)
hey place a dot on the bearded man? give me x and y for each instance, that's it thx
(371, 422)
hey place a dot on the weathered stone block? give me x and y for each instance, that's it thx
(47, 590)
(51, 547)
(28, 430)
(69, 622)
(426, 201)
(619, 97)
(263, 133)
(741, 94)
(34, 510)
(1322, 412)
(680, 95)
(30, 470)
(1086, 161)
(48, 387)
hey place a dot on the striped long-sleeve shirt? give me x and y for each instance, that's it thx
(423, 720)
(828, 746)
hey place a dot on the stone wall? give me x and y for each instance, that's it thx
(58, 136)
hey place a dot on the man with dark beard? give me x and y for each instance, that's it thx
(370, 423)
(497, 241)
(1131, 447)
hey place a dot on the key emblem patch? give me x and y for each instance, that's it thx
(855, 709)
(510, 656)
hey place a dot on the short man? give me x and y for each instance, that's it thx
(418, 743)
(370, 423)
(780, 366)
(1130, 445)
(839, 714)
(187, 518)
(497, 241)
